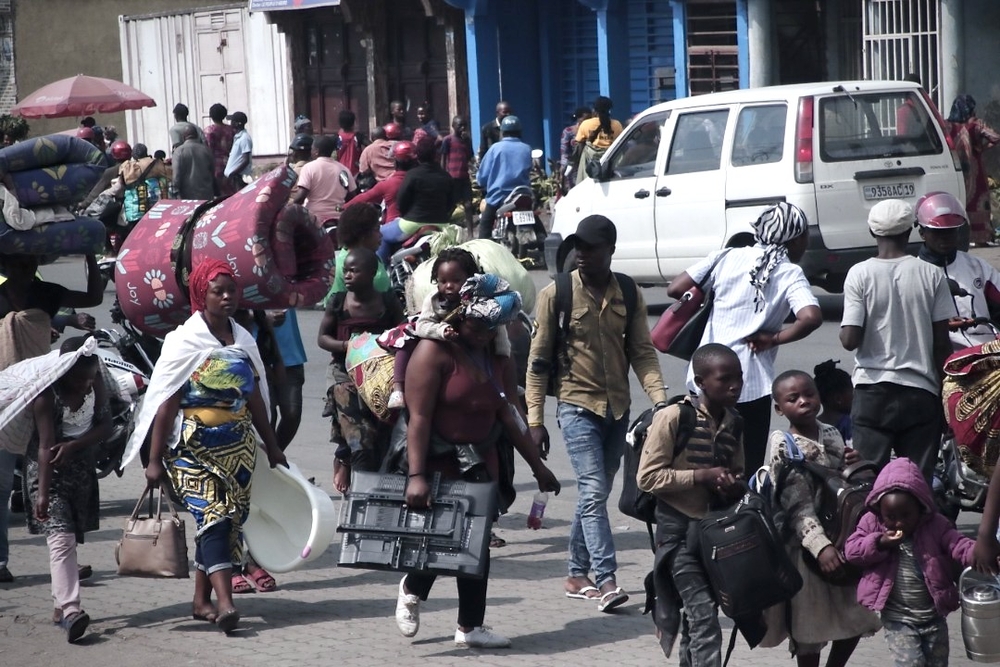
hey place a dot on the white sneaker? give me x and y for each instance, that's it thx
(481, 637)
(396, 400)
(408, 612)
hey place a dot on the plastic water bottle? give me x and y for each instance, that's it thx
(537, 510)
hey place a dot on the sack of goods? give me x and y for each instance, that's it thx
(50, 174)
(279, 256)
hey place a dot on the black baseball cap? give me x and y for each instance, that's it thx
(302, 142)
(238, 116)
(594, 230)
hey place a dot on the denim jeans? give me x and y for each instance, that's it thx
(595, 446)
(7, 463)
(918, 645)
(392, 237)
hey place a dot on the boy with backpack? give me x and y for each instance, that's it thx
(689, 479)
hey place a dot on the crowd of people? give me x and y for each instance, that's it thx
(225, 377)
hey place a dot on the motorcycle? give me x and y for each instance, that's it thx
(402, 263)
(955, 485)
(516, 227)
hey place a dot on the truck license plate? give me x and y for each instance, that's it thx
(896, 190)
(523, 218)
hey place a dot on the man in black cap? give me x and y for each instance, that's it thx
(176, 130)
(239, 166)
(300, 152)
(606, 332)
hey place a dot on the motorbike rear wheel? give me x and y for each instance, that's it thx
(511, 242)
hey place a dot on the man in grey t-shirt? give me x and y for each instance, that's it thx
(896, 312)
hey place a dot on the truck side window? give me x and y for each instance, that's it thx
(635, 156)
(697, 143)
(760, 135)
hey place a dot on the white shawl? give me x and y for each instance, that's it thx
(184, 350)
(21, 384)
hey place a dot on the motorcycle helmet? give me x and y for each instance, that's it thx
(404, 151)
(510, 124)
(85, 133)
(392, 131)
(940, 210)
(121, 151)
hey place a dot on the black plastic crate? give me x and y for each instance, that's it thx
(451, 538)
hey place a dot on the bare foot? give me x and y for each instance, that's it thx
(341, 476)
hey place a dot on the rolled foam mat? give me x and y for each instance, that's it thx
(61, 184)
(48, 151)
(73, 237)
(279, 257)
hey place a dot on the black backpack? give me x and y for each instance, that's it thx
(633, 501)
(564, 306)
(744, 558)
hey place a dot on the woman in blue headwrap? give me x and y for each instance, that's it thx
(755, 288)
(457, 395)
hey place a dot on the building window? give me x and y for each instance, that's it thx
(713, 59)
(901, 37)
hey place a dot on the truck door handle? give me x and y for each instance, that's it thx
(663, 192)
(642, 194)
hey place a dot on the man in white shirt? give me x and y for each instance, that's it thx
(940, 217)
(896, 312)
(239, 164)
(324, 184)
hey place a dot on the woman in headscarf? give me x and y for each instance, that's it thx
(457, 394)
(205, 400)
(755, 288)
(971, 137)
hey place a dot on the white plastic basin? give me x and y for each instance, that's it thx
(291, 522)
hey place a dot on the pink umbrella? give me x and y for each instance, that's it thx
(81, 96)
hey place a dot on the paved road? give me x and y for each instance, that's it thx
(323, 614)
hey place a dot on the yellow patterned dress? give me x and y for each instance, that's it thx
(212, 465)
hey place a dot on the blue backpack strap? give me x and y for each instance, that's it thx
(794, 453)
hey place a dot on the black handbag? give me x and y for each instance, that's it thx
(688, 338)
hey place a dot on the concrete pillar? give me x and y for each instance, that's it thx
(483, 59)
(613, 55)
(679, 10)
(760, 44)
(950, 45)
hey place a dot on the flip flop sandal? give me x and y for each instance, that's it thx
(210, 617)
(263, 580)
(228, 620)
(496, 541)
(242, 585)
(612, 600)
(582, 593)
(85, 572)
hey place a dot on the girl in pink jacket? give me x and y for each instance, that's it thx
(907, 551)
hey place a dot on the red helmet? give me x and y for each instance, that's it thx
(940, 210)
(404, 151)
(393, 131)
(121, 151)
(85, 133)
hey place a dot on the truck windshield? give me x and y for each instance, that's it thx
(876, 125)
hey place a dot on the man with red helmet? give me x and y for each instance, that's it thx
(404, 153)
(940, 218)
(377, 156)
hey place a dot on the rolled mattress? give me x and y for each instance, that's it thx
(279, 257)
(72, 237)
(51, 170)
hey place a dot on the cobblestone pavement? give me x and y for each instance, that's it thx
(328, 615)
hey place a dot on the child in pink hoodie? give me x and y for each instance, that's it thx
(907, 551)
